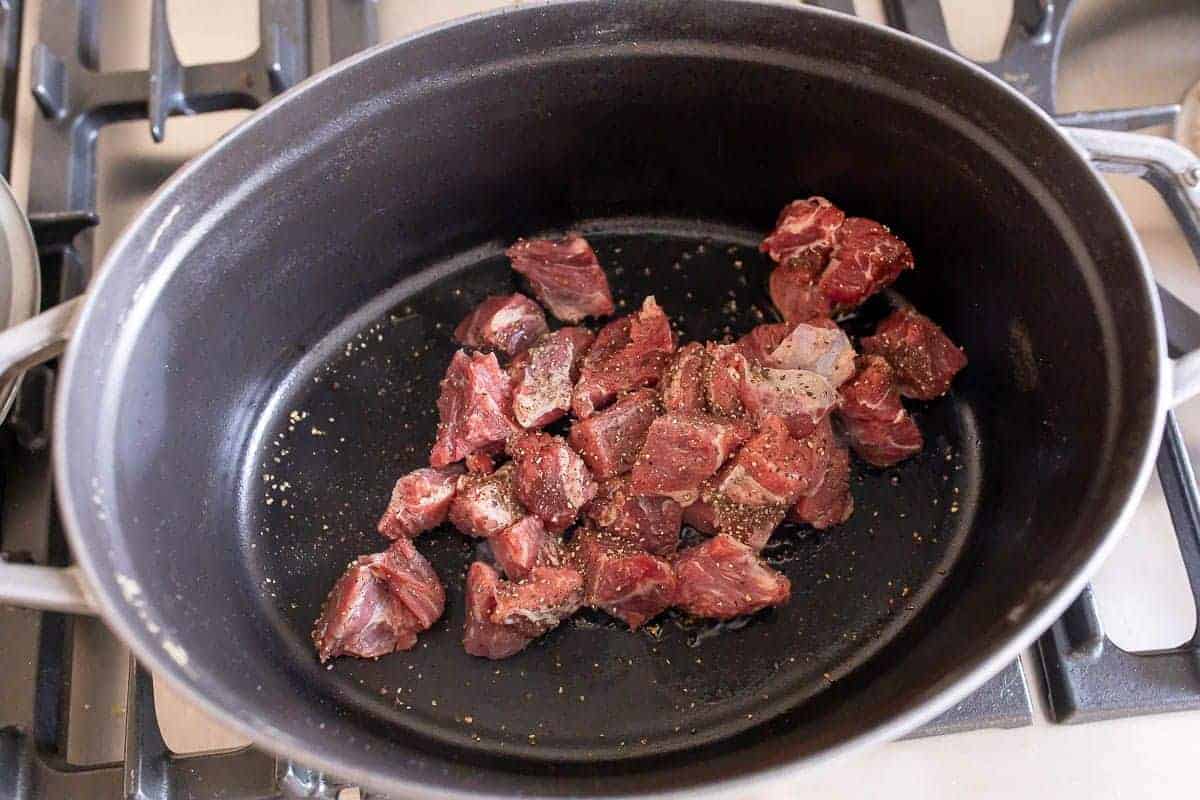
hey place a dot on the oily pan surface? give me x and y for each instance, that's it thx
(358, 411)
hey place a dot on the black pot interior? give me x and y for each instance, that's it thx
(278, 368)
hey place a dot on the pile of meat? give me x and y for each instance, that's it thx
(731, 438)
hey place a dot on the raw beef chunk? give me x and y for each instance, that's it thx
(722, 379)
(804, 232)
(628, 583)
(723, 578)
(609, 440)
(716, 513)
(524, 545)
(507, 323)
(380, 604)
(420, 502)
(580, 338)
(485, 504)
(535, 605)
(480, 463)
(794, 291)
(544, 377)
(801, 398)
(681, 452)
(682, 384)
(773, 468)
(761, 341)
(564, 275)
(475, 408)
(481, 636)
(922, 356)
(819, 346)
(865, 259)
(879, 429)
(828, 502)
(550, 479)
(828, 261)
(649, 522)
(628, 353)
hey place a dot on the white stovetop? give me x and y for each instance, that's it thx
(1118, 53)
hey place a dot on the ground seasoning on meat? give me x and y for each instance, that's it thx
(826, 262)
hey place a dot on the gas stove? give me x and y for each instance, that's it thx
(101, 101)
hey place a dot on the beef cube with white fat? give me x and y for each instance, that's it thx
(544, 376)
(630, 584)
(880, 430)
(550, 479)
(505, 323)
(524, 545)
(565, 275)
(379, 604)
(722, 578)
(681, 452)
(420, 501)
(503, 617)
(484, 505)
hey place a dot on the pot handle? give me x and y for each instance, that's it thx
(21, 347)
(1174, 171)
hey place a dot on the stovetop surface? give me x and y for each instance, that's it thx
(1117, 53)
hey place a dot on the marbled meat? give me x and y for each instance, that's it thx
(724, 366)
(682, 385)
(681, 452)
(380, 604)
(524, 545)
(482, 636)
(629, 353)
(922, 356)
(485, 504)
(420, 501)
(801, 398)
(550, 479)
(539, 602)
(722, 578)
(505, 323)
(866, 258)
(474, 408)
(729, 438)
(818, 346)
(880, 429)
(646, 521)
(828, 261)
(610, 440)
(804, 232)
(630, 584)
(544, 377)
(773, 468)
(716, 513)
(828, 501)
(564, 275)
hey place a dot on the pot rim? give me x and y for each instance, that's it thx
(25, 295)
(222, 707)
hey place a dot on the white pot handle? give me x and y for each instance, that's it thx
(1174, 171)
(21, 347)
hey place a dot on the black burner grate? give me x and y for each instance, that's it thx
(76, 99)
(1088, 676)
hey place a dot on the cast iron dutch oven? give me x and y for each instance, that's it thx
(259, 360)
